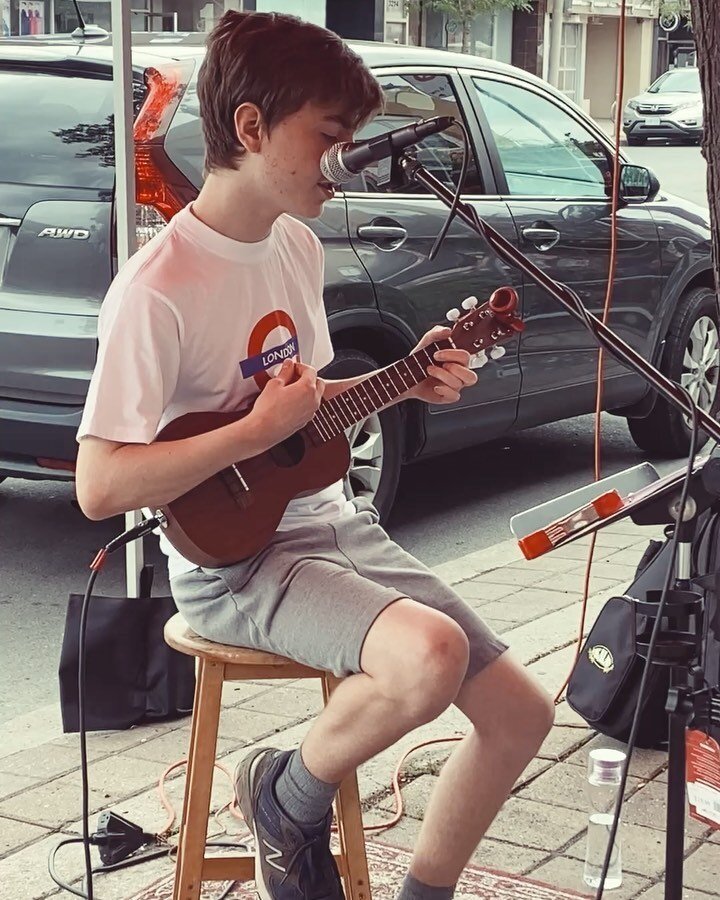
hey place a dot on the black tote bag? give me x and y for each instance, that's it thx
(132, 676)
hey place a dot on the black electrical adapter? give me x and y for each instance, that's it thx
(117, 838)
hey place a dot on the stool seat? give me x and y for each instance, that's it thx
(216, 664)
(182, 638)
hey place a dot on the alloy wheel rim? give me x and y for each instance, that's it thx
(366, 463)
(701, 364)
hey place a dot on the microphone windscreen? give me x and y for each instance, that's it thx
(332, 168)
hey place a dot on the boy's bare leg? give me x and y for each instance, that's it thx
(511, 716)
(414, 660)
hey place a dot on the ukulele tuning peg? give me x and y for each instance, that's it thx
(470, 303)
(453, 315)
(497, 352)
(478, 360)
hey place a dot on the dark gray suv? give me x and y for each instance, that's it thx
(540, 174)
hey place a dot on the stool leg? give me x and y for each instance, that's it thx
(350, 825)
(198, 785)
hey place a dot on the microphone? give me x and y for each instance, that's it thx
(342, 162)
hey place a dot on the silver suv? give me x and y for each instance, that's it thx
(672, 107)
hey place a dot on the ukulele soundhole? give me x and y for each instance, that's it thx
(290, 452)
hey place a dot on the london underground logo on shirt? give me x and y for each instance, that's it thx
(259, 359)
(268, 358)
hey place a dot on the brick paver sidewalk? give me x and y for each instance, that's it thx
(540, 831)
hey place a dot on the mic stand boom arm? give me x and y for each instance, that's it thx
(562, 293)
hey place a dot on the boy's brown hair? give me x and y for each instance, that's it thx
(279, 63)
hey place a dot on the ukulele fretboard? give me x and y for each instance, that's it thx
(357, 403)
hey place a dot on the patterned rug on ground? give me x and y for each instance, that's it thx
(388, 866)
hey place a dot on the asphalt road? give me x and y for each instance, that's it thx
(681, 170)
(446, 507)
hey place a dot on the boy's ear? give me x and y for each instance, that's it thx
(249, 126)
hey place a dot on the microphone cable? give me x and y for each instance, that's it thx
(458, 191)
(612, 269)
(138, 531)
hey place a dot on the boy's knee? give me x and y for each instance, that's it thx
(434, 665)
(537, 716)
(542, 716)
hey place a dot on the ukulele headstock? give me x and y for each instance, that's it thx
(483, 329)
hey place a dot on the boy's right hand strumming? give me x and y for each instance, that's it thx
(288, 402)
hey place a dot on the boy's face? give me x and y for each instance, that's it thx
(288, 162)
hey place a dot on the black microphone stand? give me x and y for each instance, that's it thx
(680, 637)
(679, 648)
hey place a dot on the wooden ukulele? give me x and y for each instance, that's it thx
(235, 513)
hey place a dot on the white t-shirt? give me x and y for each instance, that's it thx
(198, 322)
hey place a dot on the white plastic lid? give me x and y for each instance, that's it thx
(605, 765)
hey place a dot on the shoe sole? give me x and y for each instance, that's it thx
(247, 773)
(244, 776)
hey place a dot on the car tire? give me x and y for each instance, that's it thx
(693, 339)
(376, 443)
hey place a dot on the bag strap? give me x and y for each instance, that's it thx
(147, 573)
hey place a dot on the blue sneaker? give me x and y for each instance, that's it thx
(291, 863)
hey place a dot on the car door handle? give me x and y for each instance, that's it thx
(543, 236)
(393, 235)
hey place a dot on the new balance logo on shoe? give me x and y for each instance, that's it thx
(289, 863)
(271, 857)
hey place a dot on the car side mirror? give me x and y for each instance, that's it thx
(637, 184)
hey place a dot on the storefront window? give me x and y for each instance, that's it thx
(396, 32)
(25, 17)
(567, 73)
(20, 18)
(479, 41)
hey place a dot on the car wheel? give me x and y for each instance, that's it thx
(691, 358)
(376, 444)
(636, 142)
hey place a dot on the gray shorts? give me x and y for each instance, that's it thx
(313, 593)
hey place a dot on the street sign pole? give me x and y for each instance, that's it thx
(125, 207)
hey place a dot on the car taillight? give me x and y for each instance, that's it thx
(161, 190)
(148, 222)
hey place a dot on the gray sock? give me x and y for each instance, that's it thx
(412, 889)
(301, 795)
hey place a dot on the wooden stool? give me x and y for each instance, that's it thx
(218, 663)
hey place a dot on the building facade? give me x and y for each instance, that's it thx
(588, 43)
(589, 57)
(379, 20)
(675, 44)
(360, 19)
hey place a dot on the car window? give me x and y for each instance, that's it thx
(543, 150)
(62, 129)
(408, 99)
(681, 81)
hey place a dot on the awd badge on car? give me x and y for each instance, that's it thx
(74, 234)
